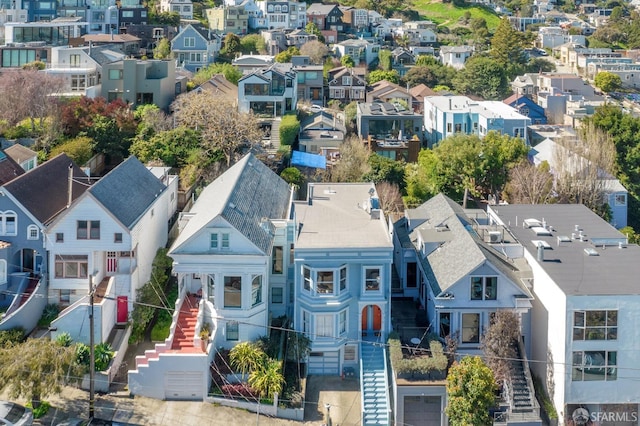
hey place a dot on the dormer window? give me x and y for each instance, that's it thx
(484, 288)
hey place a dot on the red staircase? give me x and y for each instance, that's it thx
(33, 282)
(186, 327)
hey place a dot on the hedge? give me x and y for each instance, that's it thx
(437, 362)
(289, 129)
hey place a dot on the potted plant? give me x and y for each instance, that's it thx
(205, 332)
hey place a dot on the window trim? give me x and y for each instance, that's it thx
(256, 291)
(476, 339)
(4, 216)
(90, 226)
(483, 281)
(366, 280)
(31, 228)
(228, 283)
(78, 260)
(608, 370)
(232, 331)
(310, 280)
(275, 298)
(604, 330)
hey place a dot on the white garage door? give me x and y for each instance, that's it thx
(187, 385)
(325, 363)
(422, 410)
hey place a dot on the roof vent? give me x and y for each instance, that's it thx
(539, 243)
(530, 223)
(564, 239)
(591, 251)
(541, 230)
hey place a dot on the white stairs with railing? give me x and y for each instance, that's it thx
(374, 384)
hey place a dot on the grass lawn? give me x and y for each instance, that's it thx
(160, 330)
(447, 14)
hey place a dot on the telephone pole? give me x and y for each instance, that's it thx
(92, 359)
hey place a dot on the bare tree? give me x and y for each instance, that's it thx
(499, 343)
(529, 184)
(353, 163)
(28, 94)
(390, 198)
(583, 166)
(315, 50)
(221, 126)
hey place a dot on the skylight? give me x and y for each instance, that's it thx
(539, 230)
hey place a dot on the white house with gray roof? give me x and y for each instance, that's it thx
(455, 56)
(586, 313)
(450, 114)
(110, 234)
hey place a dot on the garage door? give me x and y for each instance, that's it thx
(422, 410)
(325, 363)
(187, 385)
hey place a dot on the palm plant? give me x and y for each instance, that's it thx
(247, 357)
(269, 379)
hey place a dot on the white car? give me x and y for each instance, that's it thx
(315, 108)
(12, 414)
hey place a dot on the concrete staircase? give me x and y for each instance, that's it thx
(275, 136)
(186, 327)
(374, 388)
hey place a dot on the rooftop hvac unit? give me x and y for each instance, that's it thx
(495, 236)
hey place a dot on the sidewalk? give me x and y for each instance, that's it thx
(123, 409)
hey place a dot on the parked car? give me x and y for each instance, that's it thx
(12, 414)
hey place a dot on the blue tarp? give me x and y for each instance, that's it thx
(308, 160)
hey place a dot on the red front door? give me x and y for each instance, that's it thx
(123, 309)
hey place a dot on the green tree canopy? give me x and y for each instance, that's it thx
(347, 61)
(507, 48)
(253, 43)
(483, 77)
(471, 392)
(231, 46)
(230, 72)
(162, 49)
(285, 56)
(385, 61)
(312, 28)
(427, 60)
(608, 81)
(292, 176)
(379, 75)
(173, 147)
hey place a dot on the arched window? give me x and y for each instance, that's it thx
(32, 232)
(9, 223)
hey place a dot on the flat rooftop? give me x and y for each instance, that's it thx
(604, 269)
(337, 219)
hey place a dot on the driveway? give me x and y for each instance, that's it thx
(343, 397)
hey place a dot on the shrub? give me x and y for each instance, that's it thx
(64, 339)
(289, 129)
(421, 365)
(83, 354)
(238, 390)
(543, 398)
(103, 356)
(39, 411)
(11, 337)
(78, 149)
(49, 314)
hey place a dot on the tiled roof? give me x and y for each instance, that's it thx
(9, 169)
(20, 153)
(128, 191)
(44, 191)
(244, 196)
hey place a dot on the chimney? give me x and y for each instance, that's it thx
(310, 196)
(540, 252)
(70, 188)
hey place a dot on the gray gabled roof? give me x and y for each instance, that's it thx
(460, 251)
(245, 195)
(128, 191)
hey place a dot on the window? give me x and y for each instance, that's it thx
(8, 224)
(343, 278)
(445, 324)
(595, 325)
(74, 61)
(277, 295)
(458, 128)
(470, 328)
(325, 282)
(115, 74)
(342, 322)
(225, 241)
(233, 331)
(232, 292)
(32, 232)
(78, 83)
(65, 296)
(484, 288)
(305, 323)
(71, 266)
(256, 290)
(350, 353)
(449, 127)
(214, 241)
(127, 13)
(324, 325)
(277, 265)
(372, 279)
(59, 237)
(346, 80)
(88, 229)
(621, 200)
(594, 366)
(189, 42)
(211, 288)
(3, 271)
(306, 273)
(117, 237)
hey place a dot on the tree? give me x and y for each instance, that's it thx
(379, 75)
(78, 149)
(353, 164)
(221, 127)
(385, 60)
(483, 77)
(384, 169)
(529, 184)
(35, 369)
(247, 357)
(608, 81)
(390, 198)
(78, 115)
(285, 56)
(162, 49)
(470, 391)
(499, 343)
(174, 147)
(268, 380)
(421, 75)
(347, 61)
(506, 47)
(292, 176)
(315, 50)
(312, 28)
(230, 72)
(427, 60)
(168, 18)
(108, 137)
(253, 43)
(231, 46)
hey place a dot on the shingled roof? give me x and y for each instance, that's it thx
(9, 168)
(128, 191)
(244, 196)
(44, 191)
